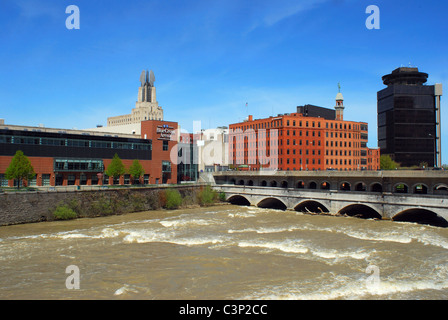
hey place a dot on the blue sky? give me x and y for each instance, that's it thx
(210, 57)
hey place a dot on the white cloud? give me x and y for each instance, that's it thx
(270, 13)
(32, 9)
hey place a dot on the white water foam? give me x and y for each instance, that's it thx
(289, 246)
(338, 254)
(377, 236)
(130, 289)
(263, 230)
(179, 223)
(343, 287)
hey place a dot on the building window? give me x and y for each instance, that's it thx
(3, 181)
(45, 179)
(166, 166)
(165, 145)
(71, 180)
(94, 180)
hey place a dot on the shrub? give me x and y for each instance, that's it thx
(207, 196)
(64, 213)
(222, 196)
(101, 206)
(173, 199)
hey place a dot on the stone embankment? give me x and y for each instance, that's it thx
(36, 206)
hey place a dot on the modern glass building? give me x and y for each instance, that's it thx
(407, 125)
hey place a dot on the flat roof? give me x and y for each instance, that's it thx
(68, 131)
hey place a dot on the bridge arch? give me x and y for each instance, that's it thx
(241, 182)
(376, 187)
(360, 211)
(345, 186)
(421, 216)
(264, 183)
(239, 200)
(420, 188)
(250, 183)
(401, 187)
(360, 186)
(441, 188)
(300, 184)
(273, 184)
(272, 203)
(284, 184)
(325, 185)
(311, 206)
(312, 185)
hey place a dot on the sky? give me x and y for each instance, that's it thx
(211, 57)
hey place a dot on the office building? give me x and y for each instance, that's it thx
(313, 138)
(62, 157)
(409, 118)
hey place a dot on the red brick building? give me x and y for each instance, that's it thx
(313, 138)
(74, 157)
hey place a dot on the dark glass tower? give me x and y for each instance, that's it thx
(407, 126)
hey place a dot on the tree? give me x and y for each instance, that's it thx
(386, 163)
(173, 198)
(20, 168)
(116, 167)
(136, 170)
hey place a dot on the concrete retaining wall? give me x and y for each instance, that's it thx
(27, 207)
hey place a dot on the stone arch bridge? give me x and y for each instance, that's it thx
(416, 196)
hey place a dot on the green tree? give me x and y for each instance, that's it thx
(173, 198)
(386, 163)
(116, 167)
(207, 196)
(136, 170)
(20, 168)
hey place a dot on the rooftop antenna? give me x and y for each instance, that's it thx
(339, 86)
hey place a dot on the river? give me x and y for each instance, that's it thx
(223, 252)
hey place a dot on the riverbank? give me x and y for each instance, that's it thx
(32, 207)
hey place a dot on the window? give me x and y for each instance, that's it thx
(71, 180)
(165, 145)
(80, 165)
(3, 181)
(45, 179)
(94, 180)
(166, 166)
